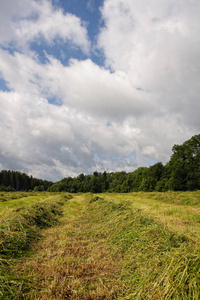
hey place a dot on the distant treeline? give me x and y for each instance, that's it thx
(16, 181)
(181, 173)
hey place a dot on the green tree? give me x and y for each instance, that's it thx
(185, 165)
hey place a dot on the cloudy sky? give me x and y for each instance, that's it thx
(100, 85)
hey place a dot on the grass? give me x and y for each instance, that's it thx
(18, 232)
(157, 263)
(10, 201)
(168, 209)
(107, 246)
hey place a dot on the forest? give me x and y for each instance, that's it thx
(181, 173)
(17, 181)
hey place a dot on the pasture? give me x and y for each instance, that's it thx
(100, 246)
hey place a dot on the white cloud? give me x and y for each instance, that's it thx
(106, 120)
(157, 45)
(99, 93)
(28, 21)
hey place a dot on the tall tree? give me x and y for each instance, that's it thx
(185, 165)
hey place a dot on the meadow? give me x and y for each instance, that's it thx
(100, 246)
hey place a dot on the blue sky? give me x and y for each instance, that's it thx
(100, 85)
(89, 13)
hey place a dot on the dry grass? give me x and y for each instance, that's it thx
(113, 246)
(70, 264)
(177, 211)
(12, 201)
(18, 232)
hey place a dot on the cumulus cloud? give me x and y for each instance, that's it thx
(99, 93)
(30, 21)
(157, 45)
(61, 120)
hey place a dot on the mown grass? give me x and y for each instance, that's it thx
(158, 263)
(10, 201)
(168, 209)
(70, 264)
(18, 232)
(112, 246)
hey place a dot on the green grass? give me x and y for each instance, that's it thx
(157, 263)
(19, 230)
(11, 201)
(179, 198)
(106, 246)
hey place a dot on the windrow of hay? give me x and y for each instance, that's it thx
(69, 263)
(18, 232)
(104, 247)
(157, 263)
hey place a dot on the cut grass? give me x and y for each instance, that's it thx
(178, 198)
(111, 249)
(18, 232)
(69, 264)
(148, 249)
(163, 208)
(109, 246)
(10, 201)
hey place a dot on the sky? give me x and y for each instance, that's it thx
(106, 85)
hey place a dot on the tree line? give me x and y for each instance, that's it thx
(17, 181)
(181, 173)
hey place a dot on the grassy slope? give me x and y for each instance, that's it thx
(131, 246)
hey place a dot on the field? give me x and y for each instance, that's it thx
(100, 246)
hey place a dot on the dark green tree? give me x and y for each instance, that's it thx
(184, 165)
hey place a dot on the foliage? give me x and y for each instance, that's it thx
(14, 180)
(181, 173)
(184, 165)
